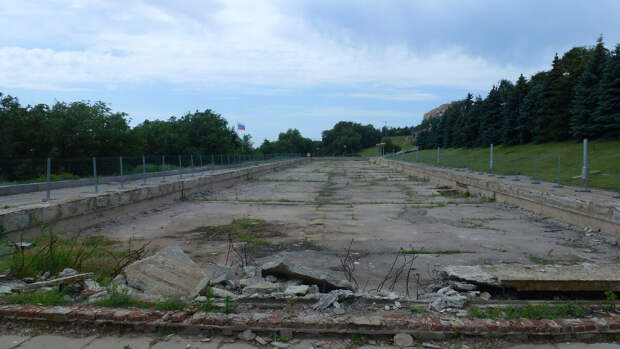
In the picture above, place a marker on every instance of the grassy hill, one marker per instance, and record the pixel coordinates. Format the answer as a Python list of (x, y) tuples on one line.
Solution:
[(604, 161), (403, 141)]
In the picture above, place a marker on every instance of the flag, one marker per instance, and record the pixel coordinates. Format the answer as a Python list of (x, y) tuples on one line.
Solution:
[(240, 127)]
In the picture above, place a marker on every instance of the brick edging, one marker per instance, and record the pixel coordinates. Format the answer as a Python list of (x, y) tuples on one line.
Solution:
[(426, 325)]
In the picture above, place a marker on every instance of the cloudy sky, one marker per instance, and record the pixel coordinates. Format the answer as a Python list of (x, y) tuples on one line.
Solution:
[(275, 65)]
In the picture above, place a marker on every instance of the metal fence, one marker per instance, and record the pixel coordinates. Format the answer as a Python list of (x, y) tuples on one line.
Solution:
[(27, 175), (583, 170)]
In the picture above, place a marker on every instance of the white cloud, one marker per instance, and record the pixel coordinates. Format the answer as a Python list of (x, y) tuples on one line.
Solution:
[(211, 44)]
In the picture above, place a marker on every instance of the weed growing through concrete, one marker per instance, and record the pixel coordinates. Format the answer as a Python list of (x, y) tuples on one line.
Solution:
[(611, 298), (208, 306), (531, 312), (171, 304), (229, 306), (539, 260), (52, 253), (120, 298)]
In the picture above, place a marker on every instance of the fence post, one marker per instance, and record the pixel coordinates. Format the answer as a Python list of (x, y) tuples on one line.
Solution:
[(535, 181), (501, 167), (48, 184), (212, 159), (417, 155), (516, 179), (200, 155), (439, 156), (191, 160), (120, 160), (180, 168), (163, 167), (95, 174), (491, 160), (559, 185), (584, 169), (143, 170)]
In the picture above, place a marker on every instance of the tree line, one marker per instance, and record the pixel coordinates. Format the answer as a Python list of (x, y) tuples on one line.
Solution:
[(578, 98), (85, 129)]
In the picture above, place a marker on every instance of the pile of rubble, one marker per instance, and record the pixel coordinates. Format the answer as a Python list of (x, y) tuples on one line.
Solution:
[(170, 273), (450, 295)]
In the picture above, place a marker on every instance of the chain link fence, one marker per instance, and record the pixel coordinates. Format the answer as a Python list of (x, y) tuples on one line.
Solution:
[(28, 175), (582, 170)]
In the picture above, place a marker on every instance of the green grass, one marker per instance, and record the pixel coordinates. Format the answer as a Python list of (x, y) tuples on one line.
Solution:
[(52, 253), (603, 156), (403, 141), (120, 299), (531, 312), (244, 229), (171, 304), (49, 298)]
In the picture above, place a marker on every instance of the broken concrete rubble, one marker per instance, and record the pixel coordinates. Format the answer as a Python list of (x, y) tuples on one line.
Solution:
[(262, 287), (169, 272), (325, 281), (300, 290), (63, 280)]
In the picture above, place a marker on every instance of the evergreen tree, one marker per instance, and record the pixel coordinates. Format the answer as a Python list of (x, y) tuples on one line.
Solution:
[(552, 123), (530, 108), (510, 112), (459, 136), (490, 118), (607, 114), (586, 99), (472, 128)]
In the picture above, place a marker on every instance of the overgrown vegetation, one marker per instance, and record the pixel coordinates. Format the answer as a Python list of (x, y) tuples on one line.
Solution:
[(52, 253), (531, 312), (119, 298), (171, 304), (42, 297)]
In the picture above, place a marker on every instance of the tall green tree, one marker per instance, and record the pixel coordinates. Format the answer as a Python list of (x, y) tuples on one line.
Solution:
[(607, 113), (510, 112), (531, 107), (585, 103)]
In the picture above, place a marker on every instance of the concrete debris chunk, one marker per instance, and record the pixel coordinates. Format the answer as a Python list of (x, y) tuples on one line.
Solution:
[(463, 286), (247, 335), (325, 301), (92, 286), (64, 280), (219, 293), (288, 270), (485, 295), (219, 273), (168, 273), (67, 272), (444, 302), (403, 340), (300, 290), (262, 287)]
